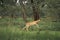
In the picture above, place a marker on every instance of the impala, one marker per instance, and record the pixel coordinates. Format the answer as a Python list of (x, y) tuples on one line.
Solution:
[(29, 24)]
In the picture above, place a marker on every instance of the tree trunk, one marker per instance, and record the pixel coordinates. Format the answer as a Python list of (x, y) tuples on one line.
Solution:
[(24, 12), (35, 11)]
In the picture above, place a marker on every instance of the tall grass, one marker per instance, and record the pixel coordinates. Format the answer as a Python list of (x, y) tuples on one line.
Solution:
[(10, 31)]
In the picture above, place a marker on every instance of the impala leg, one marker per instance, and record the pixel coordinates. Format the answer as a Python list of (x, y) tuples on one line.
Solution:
[(37, 26), (26, 27)]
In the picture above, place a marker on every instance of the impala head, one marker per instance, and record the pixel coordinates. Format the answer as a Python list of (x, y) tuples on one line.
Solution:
[(37, 21)]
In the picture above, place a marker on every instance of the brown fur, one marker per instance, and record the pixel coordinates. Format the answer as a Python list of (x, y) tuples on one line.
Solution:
[(29, 24)]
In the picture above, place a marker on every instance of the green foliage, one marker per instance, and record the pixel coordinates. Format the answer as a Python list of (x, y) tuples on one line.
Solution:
[(51, 8), (14, 33), (44, 24), (12, 30)]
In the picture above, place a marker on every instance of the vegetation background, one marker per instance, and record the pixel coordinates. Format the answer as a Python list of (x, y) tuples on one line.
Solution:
[(12, 22)]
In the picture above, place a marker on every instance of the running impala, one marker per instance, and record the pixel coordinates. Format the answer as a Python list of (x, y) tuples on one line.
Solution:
[(29, 24)]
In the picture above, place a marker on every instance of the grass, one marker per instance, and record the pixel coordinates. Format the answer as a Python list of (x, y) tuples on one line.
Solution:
[(10, 31)]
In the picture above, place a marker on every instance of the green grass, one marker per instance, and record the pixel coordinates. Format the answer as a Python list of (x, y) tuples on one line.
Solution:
[(10, 31)]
